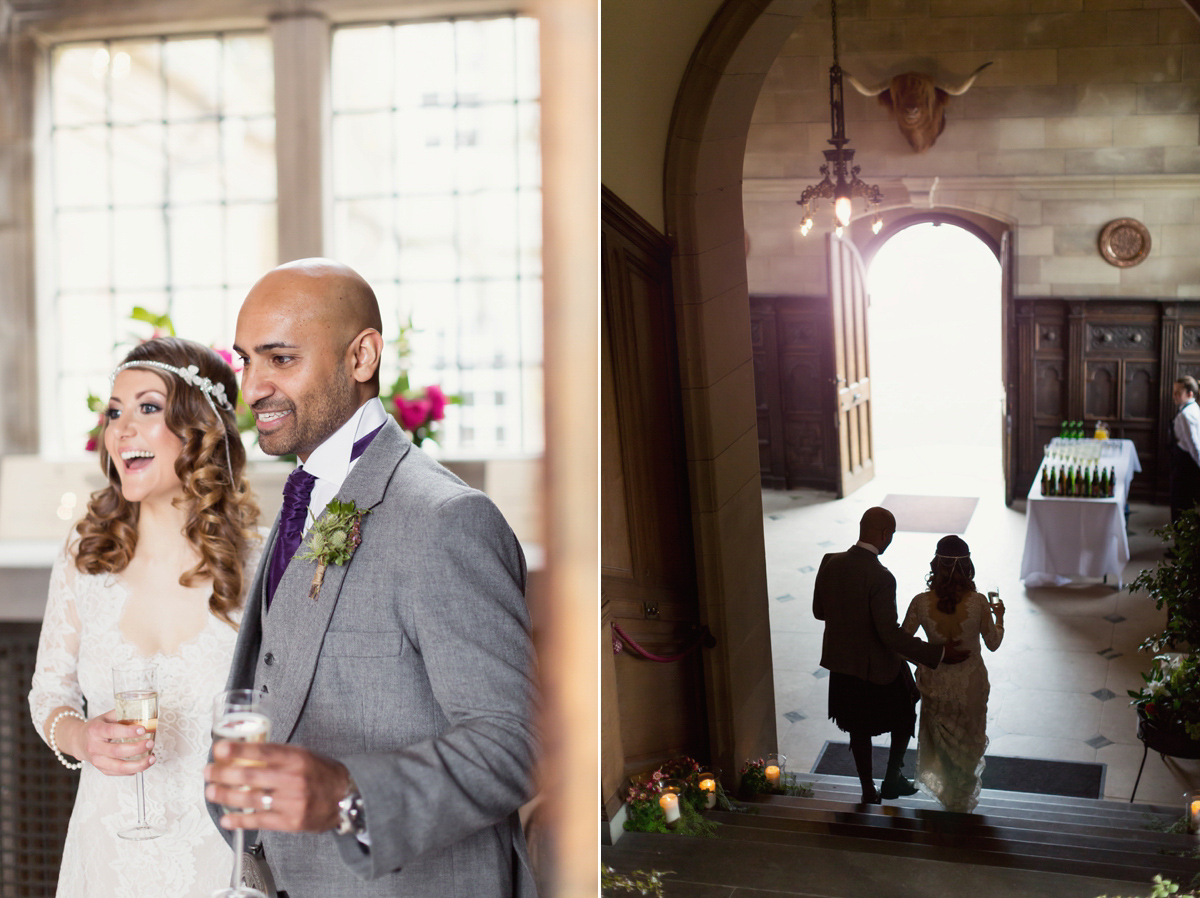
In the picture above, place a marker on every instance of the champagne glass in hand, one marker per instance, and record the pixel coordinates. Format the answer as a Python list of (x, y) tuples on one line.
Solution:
[(240, 715), (136, 693)]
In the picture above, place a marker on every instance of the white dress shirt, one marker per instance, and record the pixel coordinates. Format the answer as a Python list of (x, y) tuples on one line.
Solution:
[(1186, 427), (330, 462)]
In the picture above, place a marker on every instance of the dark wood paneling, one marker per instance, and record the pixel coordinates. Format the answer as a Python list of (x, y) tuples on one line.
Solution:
[(1111, 360), (651, 711), (792, 381)]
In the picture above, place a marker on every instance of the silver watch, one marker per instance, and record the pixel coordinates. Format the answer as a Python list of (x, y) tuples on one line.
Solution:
[(352, 817)]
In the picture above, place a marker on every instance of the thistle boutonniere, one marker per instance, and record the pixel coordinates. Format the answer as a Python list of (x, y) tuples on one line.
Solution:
[(333, 539)]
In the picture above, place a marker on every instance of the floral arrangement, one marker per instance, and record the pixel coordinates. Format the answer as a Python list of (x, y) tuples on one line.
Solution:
[(754, 782), (639, 882), (418, 410), (645, 814), (1165, 887), (1171, 697)]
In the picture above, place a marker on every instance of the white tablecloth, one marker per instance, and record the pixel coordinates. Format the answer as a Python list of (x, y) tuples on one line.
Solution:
[(1066, 537)]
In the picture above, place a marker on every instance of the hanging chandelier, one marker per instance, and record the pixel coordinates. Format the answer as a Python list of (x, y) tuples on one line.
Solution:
[(841, 183)]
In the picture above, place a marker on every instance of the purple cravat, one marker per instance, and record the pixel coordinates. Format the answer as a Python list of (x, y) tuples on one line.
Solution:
[(296, 493)]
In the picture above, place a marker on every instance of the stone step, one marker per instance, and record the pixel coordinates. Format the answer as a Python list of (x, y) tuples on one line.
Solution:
[(930, 815), (1008, 848)]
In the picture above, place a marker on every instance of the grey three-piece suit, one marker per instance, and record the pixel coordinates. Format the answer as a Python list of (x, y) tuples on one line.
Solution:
[(414, 668)]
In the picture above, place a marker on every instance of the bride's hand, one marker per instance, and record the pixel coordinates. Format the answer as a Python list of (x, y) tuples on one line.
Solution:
[(998, 610), (96, 739)]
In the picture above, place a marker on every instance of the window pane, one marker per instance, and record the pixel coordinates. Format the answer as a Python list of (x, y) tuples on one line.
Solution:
[(455, 216), (83, 251), (362, 69), (137, 87), (195, 257), (365, 238), (363, 150), (193, 162), (138, 164), (139, 249), (249, 158), (192, 66), (81, 166), (424, 65), (164, 191), (78, 78), (248, 76)]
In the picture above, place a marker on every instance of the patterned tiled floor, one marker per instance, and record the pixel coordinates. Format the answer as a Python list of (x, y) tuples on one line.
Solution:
[(1060, 679)]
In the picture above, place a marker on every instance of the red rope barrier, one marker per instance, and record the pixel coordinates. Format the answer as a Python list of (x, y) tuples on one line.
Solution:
[(703, 637)]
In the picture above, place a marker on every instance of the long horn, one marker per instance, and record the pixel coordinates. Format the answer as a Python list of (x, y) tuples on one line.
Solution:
[(866, 92), (966, 85)]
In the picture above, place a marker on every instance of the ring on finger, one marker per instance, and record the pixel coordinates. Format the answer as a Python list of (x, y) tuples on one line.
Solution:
[(268, 801)]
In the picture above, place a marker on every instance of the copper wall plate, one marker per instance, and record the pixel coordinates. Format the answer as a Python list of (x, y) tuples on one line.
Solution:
[(1124, 242)]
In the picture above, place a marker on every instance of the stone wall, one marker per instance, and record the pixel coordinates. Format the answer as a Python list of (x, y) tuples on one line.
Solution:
[(1089, 112)]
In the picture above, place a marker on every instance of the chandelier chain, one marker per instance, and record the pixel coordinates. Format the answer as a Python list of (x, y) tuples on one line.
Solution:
[(833, 11)]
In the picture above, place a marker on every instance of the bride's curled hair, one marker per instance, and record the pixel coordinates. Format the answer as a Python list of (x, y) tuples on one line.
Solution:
[(221, 515), (951, 573)]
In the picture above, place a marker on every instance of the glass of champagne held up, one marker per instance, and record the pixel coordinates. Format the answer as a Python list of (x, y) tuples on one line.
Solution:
[(240, 715), (135, 690)]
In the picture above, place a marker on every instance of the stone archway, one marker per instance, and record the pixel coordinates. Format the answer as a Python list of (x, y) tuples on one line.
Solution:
[(703, 205)]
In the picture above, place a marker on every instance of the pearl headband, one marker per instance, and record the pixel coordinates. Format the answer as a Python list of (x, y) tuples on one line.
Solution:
[(213, 392)]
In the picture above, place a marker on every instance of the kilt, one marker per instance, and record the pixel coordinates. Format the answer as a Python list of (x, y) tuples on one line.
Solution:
[(860, 706)]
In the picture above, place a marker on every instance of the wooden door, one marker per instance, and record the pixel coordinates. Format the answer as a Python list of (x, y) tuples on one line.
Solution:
[(851, 370), (1007, 379)]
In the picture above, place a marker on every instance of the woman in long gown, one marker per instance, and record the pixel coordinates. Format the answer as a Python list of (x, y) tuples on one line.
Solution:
[(155, 572), (952, 736)]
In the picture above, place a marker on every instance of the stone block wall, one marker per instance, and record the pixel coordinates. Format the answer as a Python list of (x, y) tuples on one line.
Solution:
[(1090, 111)]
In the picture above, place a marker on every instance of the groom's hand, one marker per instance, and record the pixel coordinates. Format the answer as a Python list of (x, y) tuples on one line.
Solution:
[(301, 789), (954, 655)]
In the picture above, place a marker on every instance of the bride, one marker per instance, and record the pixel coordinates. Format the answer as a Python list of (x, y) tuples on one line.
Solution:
[(155, 572), (952, 736)]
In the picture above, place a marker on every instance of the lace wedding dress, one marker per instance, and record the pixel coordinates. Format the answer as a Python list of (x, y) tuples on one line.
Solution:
[(952, 736), (81, 641)]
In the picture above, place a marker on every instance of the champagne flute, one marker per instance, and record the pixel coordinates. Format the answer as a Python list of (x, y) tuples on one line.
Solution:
[(240, 715), (135, 692)]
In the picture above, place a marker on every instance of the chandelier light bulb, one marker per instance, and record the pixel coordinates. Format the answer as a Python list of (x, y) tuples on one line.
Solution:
[(842, 210), (838, 230), (877, 225)]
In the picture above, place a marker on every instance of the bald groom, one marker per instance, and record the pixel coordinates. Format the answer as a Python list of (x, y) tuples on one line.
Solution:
[(401, 690)]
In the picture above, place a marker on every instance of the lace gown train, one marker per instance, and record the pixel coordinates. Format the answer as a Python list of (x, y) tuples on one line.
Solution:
[(80, 642), (952, 735)]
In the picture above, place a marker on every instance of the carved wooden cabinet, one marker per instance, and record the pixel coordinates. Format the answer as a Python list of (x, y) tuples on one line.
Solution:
[(792, 372), (1111, 360)]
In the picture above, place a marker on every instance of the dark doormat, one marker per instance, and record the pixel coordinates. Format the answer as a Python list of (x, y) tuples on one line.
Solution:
[(931, 514), (1069, 778)]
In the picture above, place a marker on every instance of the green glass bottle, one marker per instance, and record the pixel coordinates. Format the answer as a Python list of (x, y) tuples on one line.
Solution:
[(1087, 482)]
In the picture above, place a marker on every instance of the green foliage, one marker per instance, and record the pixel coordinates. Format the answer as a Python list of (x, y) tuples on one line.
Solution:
[(639, 882), (1175, 583), (1163, 888), (162, 324), (755, 782), (645, 814)]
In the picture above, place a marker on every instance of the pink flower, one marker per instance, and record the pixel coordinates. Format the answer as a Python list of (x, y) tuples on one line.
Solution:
[(228, 357), (413, 412), (91, 445), (437, 402)]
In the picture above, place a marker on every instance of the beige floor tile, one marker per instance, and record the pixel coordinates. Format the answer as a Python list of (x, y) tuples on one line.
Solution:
[(1118, 721), (1053, 671), (1162, 782), (1056, 715)]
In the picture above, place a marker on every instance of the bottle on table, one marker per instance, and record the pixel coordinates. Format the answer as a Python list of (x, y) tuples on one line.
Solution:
[(1087, 482), (1112, 481), (1045, 480)]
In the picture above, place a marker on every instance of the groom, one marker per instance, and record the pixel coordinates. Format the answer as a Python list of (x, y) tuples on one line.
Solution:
[(871, 689), (400, 684)]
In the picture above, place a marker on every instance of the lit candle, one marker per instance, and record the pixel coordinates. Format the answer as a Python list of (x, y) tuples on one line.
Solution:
[(1194, 814), (709, 786), (669, 802), (772, 774)]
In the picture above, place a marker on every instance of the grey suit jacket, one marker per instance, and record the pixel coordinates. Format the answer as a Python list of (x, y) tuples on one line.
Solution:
[(856, 597), (414, 668)]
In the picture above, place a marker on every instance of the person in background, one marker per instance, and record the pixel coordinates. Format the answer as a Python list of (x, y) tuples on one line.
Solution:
[(1185, 448)]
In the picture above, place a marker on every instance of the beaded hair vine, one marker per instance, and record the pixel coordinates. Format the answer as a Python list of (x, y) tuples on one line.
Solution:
[(213, 392)]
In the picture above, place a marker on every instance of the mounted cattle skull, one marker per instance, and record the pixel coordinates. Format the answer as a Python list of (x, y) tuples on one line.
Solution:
[(917, 103)]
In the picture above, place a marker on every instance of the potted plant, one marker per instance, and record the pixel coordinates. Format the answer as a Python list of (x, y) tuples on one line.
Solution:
[(1168, 705)]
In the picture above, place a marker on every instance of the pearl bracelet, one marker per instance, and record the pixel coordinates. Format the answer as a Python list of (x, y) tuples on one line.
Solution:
[(54, 744)]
